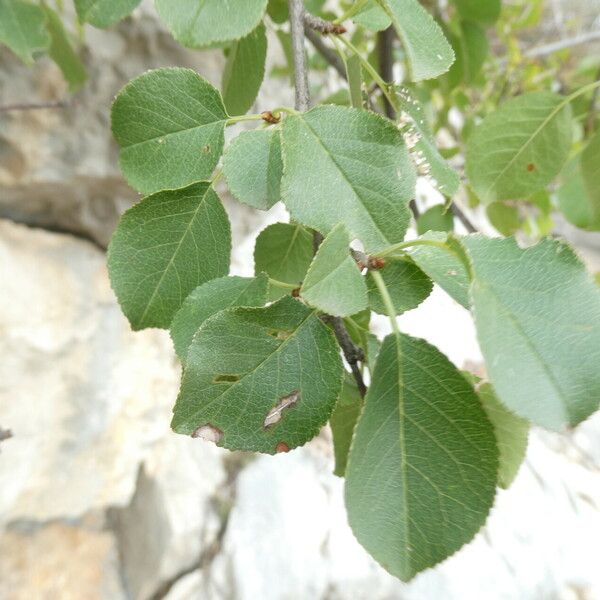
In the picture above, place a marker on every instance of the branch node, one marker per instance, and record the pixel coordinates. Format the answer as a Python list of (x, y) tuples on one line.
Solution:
[(323, 26), (270, 117)]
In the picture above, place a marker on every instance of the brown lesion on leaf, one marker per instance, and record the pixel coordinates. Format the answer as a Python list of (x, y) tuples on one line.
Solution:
[(531, 167), (209, 433), (282, 447), (206, 149), (226, 378), (284, 403)]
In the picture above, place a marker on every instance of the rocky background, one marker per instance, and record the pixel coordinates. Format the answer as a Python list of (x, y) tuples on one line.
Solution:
[(99, 500)]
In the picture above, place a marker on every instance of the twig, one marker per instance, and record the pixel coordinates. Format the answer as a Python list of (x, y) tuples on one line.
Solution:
[(414, 209), (35, 106), (584, 38), (322, 25), (352, 353), (300, 71), (385, 51), (565, 44), (462, 217), (325, 51)]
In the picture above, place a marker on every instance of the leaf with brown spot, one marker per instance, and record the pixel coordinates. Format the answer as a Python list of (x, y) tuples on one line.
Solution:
[(288, 384)]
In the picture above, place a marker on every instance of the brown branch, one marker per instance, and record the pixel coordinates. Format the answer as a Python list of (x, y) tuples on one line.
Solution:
[(300, 71), (325, 27), (325, 51), (385, 52), (35, 106), (352, 353), (462, 217)]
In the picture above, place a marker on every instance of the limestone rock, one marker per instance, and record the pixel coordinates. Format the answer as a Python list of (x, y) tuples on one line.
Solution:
[(174, 516), (84, 396), (59, 561)]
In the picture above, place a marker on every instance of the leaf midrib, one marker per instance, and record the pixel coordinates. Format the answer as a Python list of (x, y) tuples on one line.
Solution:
[(175, 252), (402, 444), (171, 133), (345, 177)]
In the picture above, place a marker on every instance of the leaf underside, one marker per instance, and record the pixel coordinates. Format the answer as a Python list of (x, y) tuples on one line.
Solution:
[(537, 314), (360, 174), (334, 283)]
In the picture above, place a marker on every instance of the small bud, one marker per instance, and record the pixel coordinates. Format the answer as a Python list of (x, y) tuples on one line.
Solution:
[(376, 263), (269, 117)]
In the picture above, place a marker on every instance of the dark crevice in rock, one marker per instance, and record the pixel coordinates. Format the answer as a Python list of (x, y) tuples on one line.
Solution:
[(223, 502), (80, 235)]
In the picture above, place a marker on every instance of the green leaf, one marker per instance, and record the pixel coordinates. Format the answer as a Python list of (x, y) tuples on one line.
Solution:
[(360, 174), (422, 144), (22, 28), (422, 471), (511, 435), (164, 247), (210, 298), (519, 148), (372, 17), (104, 13), (62, 52), (444, 268), (590, 173), (485, 12), (170, 126), (253, 167), (504, 218), (260, 379), (572, 197), (537, 314), (334, 283), (436, 218), (244, 71), (197, 24), (407, 285), (284, 251), (472, 48), (278, 11), (354, 74), (428, 52), (342, 421)]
